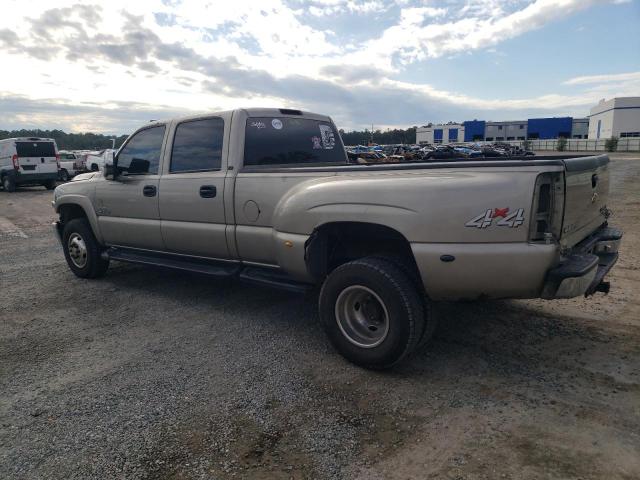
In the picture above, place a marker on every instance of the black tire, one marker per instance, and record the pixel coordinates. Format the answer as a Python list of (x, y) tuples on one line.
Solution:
[(94, 266), (94, 167), (49, 184), (411, 271), (8, 183), (392, 295), (63, 175)]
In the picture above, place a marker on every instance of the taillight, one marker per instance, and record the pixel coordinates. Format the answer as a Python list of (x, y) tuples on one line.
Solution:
[(58, 160), (547, 208), (16, 163)]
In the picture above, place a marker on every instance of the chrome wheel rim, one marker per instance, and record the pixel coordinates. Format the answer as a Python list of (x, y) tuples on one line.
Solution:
[(362, 316), (77, 250)]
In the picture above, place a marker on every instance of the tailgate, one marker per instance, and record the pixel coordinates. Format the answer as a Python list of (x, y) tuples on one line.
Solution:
[(586, 194)]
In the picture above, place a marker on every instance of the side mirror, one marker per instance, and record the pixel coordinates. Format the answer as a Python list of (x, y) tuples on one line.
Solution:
[(111, 168)]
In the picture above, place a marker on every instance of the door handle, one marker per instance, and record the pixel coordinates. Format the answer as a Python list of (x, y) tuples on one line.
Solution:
[(208, 191), (149, 191)]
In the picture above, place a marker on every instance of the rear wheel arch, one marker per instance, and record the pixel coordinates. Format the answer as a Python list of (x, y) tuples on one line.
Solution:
[(336, 243)]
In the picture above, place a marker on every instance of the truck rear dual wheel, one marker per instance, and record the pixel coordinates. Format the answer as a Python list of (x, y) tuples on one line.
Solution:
[(373, 313), (82, 251)]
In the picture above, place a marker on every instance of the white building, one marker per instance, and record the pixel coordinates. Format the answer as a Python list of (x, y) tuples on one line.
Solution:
[(618, 117), (503, 131), (579, 128), (444, 133)]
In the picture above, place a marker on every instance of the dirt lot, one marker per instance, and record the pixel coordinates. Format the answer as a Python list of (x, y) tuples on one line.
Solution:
[(149, 373)]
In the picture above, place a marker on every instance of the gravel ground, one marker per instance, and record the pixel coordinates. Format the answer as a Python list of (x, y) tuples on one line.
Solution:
[(154, 374)]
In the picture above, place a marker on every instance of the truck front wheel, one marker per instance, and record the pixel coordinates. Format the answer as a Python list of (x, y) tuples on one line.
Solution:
[(82, 251), (372, 312)]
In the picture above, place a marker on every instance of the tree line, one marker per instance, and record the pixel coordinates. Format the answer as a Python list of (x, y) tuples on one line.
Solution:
[(97, 141), (68, 141), (396, 135)]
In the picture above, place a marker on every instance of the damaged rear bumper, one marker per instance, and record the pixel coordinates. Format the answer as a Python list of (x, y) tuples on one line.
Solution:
[(583, 271)]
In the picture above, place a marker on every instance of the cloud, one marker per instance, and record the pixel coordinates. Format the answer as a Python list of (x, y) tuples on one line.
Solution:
[(116, 118), (336, 7), (127, 62), (600, 79), (412, 40)]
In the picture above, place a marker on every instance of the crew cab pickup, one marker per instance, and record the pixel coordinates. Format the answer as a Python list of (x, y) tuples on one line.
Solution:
[(268, 196)]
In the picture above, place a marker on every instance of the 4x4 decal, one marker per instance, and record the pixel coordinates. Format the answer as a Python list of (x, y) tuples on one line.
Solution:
[(508, 219)]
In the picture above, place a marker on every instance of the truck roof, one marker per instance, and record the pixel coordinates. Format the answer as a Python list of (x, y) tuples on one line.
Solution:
[(257, 112)]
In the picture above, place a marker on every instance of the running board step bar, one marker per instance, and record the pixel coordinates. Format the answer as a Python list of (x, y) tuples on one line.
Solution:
[(273, 278), (263, 276), (217, 269)]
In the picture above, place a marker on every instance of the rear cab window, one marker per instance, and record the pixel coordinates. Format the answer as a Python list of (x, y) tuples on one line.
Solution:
[(286, 141), (25, 149), (197, 146)]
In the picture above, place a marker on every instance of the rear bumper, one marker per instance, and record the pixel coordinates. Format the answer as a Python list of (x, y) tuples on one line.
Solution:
[(583, 272), (31, 178)]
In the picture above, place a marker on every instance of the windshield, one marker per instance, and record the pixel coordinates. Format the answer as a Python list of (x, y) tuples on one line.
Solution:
[(289, 141), (35, 149)]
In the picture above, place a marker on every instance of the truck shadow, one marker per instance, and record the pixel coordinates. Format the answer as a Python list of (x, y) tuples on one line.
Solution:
[(500, 336)]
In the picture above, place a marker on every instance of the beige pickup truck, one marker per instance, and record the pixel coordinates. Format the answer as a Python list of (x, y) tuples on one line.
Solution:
[(268, 196)]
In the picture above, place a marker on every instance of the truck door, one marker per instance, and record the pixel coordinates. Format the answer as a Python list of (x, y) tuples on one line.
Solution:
[(127, 207), (192, 209)]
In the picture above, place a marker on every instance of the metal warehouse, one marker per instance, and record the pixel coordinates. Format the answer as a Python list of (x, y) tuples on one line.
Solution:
[(617, 117)]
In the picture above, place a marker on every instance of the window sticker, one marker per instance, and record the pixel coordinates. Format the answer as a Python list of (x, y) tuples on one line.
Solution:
[(328, 140), (316, 143), (276, 123), (258, 124)]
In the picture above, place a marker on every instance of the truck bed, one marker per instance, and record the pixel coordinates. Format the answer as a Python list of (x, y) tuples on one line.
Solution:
[(548, 160)]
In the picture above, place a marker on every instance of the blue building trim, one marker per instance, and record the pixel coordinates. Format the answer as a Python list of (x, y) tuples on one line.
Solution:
[(549, 128), (437, 134), (453, 134), (474, 128)]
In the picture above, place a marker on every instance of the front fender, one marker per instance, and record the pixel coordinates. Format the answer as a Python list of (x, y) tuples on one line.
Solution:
[(83, 202)]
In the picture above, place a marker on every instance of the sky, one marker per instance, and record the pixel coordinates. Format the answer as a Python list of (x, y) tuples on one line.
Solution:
[(110, 66)]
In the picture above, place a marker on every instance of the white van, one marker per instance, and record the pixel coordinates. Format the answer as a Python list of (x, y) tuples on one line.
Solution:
[(28, 161)]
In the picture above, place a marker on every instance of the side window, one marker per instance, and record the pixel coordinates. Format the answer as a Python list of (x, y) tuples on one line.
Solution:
[(141, 155), (197, 146)]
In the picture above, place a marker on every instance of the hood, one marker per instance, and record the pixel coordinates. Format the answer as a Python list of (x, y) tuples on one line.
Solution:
[(85, 176)]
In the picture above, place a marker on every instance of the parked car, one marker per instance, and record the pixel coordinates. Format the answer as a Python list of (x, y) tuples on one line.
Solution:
[(493, 152), (71, 164), (267, 196), (97, 161), (28, 161)]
